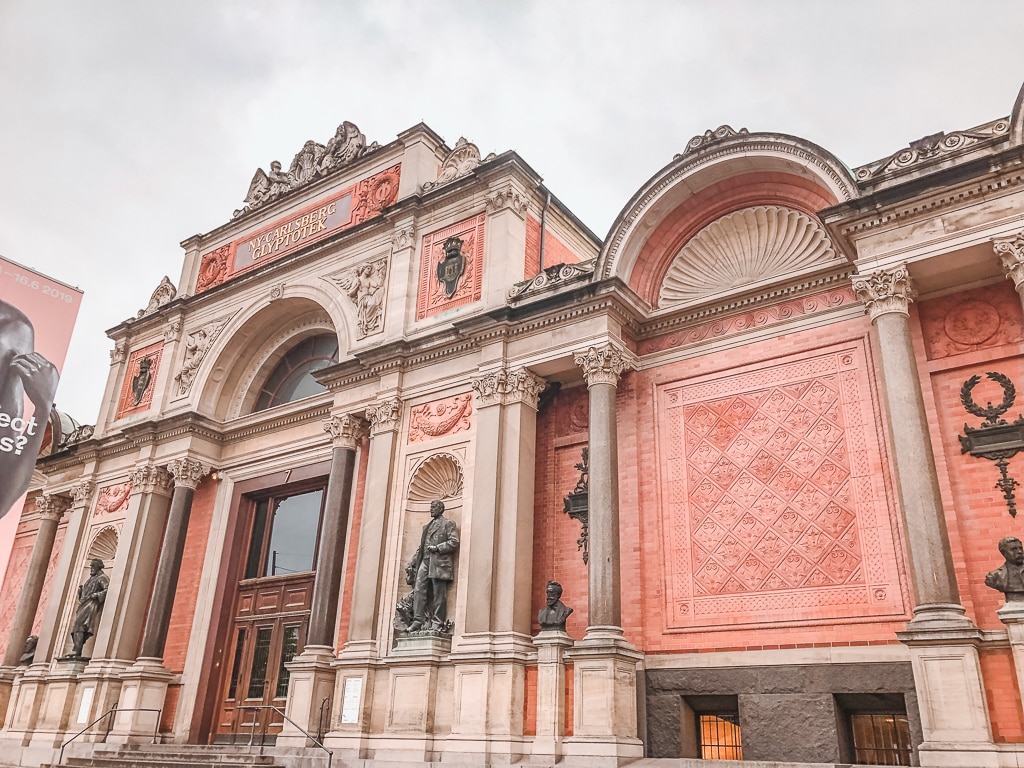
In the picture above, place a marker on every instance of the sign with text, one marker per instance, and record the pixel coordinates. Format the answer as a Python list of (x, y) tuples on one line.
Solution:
[(37, 315)]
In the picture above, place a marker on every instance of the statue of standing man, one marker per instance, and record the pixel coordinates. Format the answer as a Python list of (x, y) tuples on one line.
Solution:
[(432, 570), (91, 595)]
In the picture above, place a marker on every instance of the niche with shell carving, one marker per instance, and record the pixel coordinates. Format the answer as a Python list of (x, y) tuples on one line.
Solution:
[(439, 476)]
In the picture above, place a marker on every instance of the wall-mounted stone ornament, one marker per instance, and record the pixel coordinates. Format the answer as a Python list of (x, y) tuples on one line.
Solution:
[(403, 237), (603, 365), (147, 478), (510, 197), (460, 161), (365, 286), (884, 291), (172, 331), (577, 505), (442, 286), (197, 345), (1010, 251), (709, 137), (555, 276), (82, 490), (113, 498), (446, 416), (509, 385), (996, 439), (213, 269), (164, 294), (142, 379), (346, 430), (384, 416), (119, 352), (312, 162), (187, 472)]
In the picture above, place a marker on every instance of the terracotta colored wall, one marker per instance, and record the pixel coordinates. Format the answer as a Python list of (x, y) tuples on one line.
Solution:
[(187, 592), (345, 611), (555, 251)]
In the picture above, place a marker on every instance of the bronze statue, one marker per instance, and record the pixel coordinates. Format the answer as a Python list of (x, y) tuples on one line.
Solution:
[(431, 571), (1009, 577), (28, 651), (554, 614), (91, 595)]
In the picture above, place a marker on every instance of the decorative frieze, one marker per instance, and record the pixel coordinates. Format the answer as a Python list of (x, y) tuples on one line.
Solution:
[(197, 345), (147, 478), (346, 430), (187, 472), (506, 386), (554, 276), (1011, 254), (603, 365), (510, 197), (365, 284), (385, 416), (52, 505), (446, 416), (885, 291)]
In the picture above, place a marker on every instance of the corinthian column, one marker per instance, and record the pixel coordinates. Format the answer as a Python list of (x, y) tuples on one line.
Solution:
[(50, 509), (384, 419), (346, 431), (1010, 251), (186, 473)]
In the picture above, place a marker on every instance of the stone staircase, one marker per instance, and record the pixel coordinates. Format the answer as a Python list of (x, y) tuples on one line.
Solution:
[(169, 756)]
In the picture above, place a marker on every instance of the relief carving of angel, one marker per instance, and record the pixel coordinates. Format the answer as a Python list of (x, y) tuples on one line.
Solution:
[(365, 286)]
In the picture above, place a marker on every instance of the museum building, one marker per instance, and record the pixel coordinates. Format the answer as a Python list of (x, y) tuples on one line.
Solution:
[(763, 436)]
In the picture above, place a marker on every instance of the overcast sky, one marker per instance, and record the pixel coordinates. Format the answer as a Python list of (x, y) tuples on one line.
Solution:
[(129, 126)]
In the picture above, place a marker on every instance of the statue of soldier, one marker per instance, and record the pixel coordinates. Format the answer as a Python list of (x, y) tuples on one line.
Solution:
[(91, 595), (432, 570)]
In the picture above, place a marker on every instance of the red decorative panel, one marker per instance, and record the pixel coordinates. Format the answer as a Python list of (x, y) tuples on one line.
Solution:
[(431, 298), (441, 417), (775, 509), (351, 206), (980, 318), (113, 498), (129, 403), (763, 316), (17, 569)]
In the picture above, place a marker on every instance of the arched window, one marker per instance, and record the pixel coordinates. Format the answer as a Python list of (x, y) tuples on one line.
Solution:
[(292, 379)]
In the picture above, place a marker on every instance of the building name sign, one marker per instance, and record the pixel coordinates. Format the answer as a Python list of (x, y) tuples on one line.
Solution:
[(307, 226)]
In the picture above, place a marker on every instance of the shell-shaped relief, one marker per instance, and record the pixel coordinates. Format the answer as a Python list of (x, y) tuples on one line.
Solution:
[(742, 248), (439, 477), (103, 547)]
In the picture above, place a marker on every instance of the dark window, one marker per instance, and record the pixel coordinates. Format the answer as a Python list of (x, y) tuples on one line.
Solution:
[(236, 666), (718, 736), (292, 379), (880, 739), (288, 650), (284, 534), (260, 657)]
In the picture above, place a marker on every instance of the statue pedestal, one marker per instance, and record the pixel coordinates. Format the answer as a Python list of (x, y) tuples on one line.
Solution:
[(1012, 615), (943, 647), (604, 698), (310, 690), (356, 669), (7, 676), (143, 692), (551, 648)]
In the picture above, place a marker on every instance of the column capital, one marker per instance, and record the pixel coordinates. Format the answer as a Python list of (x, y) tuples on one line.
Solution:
[(506, 386), (52, 506), (346, 430), (604, 364), (1010, 251), (147, 478), (384, 416), (82, 492), (187, 472), (885, 291)]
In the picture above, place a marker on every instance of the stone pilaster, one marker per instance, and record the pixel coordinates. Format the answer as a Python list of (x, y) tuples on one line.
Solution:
[(312, 676), (551, 648), (1010, 251), (943, 642)]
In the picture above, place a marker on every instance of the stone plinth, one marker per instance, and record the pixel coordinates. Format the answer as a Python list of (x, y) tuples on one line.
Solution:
[(311, 682), (143, 691), (7, 677), (551, 648)]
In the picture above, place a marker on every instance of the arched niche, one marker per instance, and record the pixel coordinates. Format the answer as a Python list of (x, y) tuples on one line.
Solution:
[(718, 174), (102, 547)]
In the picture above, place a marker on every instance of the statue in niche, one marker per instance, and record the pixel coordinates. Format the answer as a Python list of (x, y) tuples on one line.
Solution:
[(430, 573), (553, 615), (28, 652), (141, 380), (1009, 577), (91, 595)]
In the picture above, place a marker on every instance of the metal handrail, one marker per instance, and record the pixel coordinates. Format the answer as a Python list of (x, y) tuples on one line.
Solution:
[(320, 720), (108, 713), (263, 731)]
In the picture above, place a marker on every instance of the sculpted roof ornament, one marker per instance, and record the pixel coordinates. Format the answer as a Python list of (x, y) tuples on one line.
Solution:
[(312, 162), (554, 276), (460, 161), (709, 137), (164, 294), (937, 145)]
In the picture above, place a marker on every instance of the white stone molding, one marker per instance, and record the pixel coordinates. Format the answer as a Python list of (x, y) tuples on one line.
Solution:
[(743, 248), (120, 352), (440, 476), (460, 161), (172, 331), (187, 472), (1011, 254), (164, 294), (885, 291), (384, 416), (403, 237), (604, 365), (198, 343), (81, 492), (508, 196), (346, 430), (553, 277), (147, 478), (276, 292), (506, 386), (52, 506), (365, 285)]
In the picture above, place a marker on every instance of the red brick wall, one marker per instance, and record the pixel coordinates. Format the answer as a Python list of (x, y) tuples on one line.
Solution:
[(555, 251), (1002, 695), (183, 612), (345, 611)]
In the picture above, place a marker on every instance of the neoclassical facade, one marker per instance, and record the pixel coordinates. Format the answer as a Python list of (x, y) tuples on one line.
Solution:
[(750, 433)]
